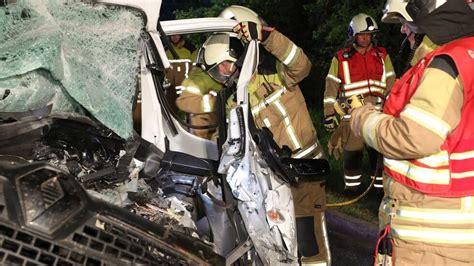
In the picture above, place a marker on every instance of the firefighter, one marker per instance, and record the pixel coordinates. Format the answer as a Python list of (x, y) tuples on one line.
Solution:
[(184, 49), (362, 69), (426, 136), (277, 103), (199, 91)]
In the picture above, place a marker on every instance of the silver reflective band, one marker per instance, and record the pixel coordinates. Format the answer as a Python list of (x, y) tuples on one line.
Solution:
[(289, 127), (291, 55), (267, 101), (329, 100), (356, 177), (336, 79), (206, 102), (427, 120), (347, 74), (192, 90), (303, 153), (352, 184), (364, 83)]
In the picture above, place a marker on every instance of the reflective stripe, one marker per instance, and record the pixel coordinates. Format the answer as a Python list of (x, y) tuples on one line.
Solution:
[(304, 152), (384, 74), (363, 91), (329, 100), (417, 173), (434, 235), (213, 93), (436, 160), (192, 90), (467, 203), (187, 71), (462, 155), (352, 184), (289, 127), (462, 175), (314, 263), (427, 120), (347, 74), (291, 55), (267, 123), (180, 61), (318, 156), (364, 83), (378, 185), (267, 101), (389, 74), (206, 103), (355, 177), (336, 79), (179, 88), (346, 117), (369, 129), (435, 215)]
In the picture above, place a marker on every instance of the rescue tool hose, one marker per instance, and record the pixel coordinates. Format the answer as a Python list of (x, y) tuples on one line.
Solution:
[(354, 200)]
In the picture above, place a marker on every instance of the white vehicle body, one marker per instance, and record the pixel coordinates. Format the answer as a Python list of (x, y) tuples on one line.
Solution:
[(258, 190)]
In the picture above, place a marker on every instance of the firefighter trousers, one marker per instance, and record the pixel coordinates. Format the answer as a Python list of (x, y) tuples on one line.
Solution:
[(310, 203)]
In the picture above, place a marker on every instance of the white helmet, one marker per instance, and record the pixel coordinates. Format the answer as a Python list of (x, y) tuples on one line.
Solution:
[(241, 13), (219, 47), (362, 23), (409, 10), (394, 10)]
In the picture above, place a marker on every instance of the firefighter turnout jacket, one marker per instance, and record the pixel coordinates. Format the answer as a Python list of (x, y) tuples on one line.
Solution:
[(425, 134), (370, 75)]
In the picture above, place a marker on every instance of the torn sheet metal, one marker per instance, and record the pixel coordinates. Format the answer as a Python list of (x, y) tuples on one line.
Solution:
[(260, 192)]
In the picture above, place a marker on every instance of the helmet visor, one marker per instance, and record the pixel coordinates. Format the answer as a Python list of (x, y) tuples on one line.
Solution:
[(223, 71)]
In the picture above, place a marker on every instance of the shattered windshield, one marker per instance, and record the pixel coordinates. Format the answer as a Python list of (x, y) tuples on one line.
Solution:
[(74, 56)]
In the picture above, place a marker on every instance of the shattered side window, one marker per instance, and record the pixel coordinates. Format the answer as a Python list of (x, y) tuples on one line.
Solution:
[(74, 56)]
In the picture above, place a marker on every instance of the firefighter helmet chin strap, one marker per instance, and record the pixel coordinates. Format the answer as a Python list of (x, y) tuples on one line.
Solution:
[(232, 79)]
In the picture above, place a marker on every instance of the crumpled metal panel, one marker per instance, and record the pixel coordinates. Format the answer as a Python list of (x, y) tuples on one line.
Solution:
[(259, 190)]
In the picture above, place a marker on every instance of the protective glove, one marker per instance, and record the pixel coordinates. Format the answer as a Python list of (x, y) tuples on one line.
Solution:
[(330, 123), (336, 142), (248, 31)]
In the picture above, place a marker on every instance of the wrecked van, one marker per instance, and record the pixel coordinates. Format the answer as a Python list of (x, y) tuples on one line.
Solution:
[(79, 186)]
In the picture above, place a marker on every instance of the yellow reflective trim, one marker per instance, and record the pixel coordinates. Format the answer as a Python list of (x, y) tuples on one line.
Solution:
[(438, 216), (289, 126), (417, 173), (462, 175), (336, 79), (192, 90), (267, 101), (364, 83), (347, 73), (206, 103), (363, 91), (306, 151), (329, 100), (389, 74), (267, 123), (369, 129), (291, 55), (434, 235), (462, 155), (427, 120), (436, 160)]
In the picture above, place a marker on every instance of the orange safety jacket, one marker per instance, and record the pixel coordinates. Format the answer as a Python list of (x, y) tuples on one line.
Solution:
[(362, 74), (449, 173)]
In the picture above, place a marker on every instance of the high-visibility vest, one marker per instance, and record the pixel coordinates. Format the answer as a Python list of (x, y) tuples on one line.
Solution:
[(449, 173), (362, 74)]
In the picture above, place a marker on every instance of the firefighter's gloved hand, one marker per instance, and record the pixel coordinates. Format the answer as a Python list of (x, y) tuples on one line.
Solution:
[(248, 31), (330, 123), (336, 142)]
